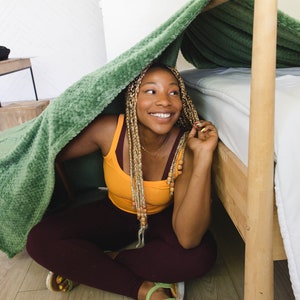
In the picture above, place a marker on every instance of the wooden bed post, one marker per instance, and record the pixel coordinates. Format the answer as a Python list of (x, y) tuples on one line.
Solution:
[(259, 272)]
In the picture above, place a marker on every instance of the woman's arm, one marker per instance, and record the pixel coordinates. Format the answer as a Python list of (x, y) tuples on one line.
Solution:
[(192, 196), (97, 136)]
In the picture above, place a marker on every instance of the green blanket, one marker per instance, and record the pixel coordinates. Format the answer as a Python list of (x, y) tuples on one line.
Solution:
[(223, 37), (27, 152)]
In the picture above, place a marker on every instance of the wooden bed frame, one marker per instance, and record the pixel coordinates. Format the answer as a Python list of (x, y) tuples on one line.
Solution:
[(248, 193), (230, 181)]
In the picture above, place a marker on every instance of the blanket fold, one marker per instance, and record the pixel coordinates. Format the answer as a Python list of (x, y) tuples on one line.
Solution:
[(222, 37)]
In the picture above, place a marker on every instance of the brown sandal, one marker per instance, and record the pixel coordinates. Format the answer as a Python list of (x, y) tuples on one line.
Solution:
[(57, 283)]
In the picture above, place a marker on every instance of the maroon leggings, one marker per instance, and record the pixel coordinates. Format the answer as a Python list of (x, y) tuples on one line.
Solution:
[(72, 244)]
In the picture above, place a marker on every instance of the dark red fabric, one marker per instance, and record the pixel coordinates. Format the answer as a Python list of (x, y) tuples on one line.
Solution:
[(72, 244)]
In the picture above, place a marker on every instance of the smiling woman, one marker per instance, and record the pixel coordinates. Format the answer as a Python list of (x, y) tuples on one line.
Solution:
[(158, 109), (158, 103), (157, 165)]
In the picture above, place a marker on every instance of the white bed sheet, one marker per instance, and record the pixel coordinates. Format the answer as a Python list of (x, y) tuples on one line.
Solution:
[(223, 97)]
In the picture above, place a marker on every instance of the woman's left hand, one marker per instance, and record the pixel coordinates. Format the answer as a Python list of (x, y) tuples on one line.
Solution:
[(203, 136), (192, 195)]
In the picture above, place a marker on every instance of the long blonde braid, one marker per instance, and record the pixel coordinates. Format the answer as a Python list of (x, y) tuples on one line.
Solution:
[(186, 120)]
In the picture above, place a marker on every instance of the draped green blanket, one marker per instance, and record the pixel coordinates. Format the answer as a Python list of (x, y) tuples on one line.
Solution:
[(27, 152)]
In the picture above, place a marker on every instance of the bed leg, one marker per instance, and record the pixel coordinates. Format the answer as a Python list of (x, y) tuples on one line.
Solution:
[(259, 270)]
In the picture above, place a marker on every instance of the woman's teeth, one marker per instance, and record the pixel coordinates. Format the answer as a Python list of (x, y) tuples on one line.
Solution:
[(161, 115)]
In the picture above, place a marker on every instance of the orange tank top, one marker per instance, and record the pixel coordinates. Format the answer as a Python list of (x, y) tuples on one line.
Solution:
[(157, 193)]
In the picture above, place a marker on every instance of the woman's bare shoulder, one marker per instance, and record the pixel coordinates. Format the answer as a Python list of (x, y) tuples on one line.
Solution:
[(106, 121), (97, 135), (103, 129)]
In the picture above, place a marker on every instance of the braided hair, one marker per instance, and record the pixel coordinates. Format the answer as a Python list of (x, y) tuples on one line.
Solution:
[(187, 118)]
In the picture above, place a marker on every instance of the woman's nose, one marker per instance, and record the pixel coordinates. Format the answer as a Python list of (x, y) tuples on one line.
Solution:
[(163, 99)]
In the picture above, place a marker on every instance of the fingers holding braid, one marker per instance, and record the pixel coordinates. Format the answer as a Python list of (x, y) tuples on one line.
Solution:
[(203, 135), (205, 129)]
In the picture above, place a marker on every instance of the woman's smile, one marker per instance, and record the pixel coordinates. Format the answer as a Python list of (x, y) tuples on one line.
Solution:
[(161, 115)]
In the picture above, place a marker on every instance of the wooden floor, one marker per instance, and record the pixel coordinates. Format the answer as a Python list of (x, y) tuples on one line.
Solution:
[(23, 279)]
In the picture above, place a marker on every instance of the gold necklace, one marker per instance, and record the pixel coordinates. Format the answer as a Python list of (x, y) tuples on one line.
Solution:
[(159, 148)]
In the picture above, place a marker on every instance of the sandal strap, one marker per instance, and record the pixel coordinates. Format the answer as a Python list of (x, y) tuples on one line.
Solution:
[(70, 286), (158, 285), (53, 286)]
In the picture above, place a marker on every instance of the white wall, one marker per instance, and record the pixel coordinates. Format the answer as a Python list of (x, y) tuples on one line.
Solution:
[(126, 22), (64, 39), (291, 7)]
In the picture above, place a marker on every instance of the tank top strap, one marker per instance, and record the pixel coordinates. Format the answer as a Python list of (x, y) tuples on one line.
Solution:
[(172, 153), (119, 149), (117, 133)]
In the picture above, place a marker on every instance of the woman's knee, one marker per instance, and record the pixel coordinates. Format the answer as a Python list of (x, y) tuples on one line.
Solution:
[(38, 240), (207, 253), (201, 259)]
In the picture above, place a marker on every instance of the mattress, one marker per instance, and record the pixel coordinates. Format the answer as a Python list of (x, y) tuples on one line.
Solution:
[(219, 94), (223, 97)]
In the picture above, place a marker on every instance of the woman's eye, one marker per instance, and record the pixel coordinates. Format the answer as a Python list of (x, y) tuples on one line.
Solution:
[(150, 92), (174, 93)]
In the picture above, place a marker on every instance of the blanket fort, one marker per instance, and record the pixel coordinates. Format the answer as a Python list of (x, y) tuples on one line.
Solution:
[(27, 152)]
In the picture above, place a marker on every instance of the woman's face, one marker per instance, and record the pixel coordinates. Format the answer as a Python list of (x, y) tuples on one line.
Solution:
[(158, 101)]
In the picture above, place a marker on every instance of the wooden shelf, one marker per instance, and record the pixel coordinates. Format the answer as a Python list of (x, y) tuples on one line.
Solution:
[(12, 65)]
